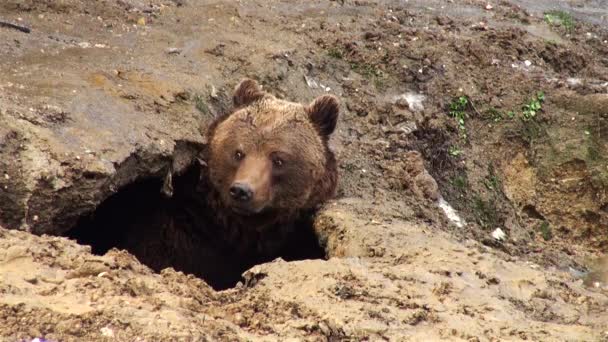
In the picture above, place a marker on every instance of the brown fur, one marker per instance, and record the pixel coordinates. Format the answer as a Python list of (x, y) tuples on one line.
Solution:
[(283, 155)]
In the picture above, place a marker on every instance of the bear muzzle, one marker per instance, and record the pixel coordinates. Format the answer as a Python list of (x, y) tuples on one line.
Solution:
[(250, 192)]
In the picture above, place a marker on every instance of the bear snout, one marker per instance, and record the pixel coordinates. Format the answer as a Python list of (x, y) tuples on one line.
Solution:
[(241, 193)]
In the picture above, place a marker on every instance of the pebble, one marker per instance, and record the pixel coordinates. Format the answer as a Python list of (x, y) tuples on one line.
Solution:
[(32, 279), (107, 332), (173, 51)]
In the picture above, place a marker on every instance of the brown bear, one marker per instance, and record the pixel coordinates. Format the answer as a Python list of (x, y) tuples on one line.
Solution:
[(268, 165), (268, 162)]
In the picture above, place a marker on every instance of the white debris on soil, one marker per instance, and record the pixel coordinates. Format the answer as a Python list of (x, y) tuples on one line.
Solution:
[(414, 101), (173, 51), (525, 65), (107, 332), (499, 234), (450, 212), (313, 84)]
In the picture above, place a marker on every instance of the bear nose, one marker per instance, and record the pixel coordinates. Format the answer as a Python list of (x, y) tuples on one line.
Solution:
[(241, 192)]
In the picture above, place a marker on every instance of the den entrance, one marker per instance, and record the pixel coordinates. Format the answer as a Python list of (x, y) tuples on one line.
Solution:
[(152, 227)]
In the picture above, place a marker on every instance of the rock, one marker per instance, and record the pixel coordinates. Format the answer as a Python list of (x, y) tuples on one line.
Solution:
[(418, 178), (173, 51)]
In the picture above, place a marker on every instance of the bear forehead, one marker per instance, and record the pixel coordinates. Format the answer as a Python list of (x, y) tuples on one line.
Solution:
[(273, 120)]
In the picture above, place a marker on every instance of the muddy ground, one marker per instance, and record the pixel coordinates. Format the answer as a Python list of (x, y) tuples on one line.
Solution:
[(458, 118)]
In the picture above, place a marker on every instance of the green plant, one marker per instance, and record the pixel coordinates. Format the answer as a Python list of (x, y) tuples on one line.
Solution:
[(201, 104), (454, 151), (460, 182), (495, 115), (531, 131), (593, 146), (491, 181), (545, 231), (530, 109), (458, 108), (366, 70), (335, 53), (560, 18), (510, 114), (486, 212)]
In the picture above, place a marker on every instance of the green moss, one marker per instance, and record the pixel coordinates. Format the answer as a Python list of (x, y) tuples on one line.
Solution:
[(201, 104), (335, 53), (545, 231), (485, 212), (560, 18)]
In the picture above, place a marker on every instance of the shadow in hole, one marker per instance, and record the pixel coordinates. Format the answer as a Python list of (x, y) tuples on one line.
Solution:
[(162, 232)]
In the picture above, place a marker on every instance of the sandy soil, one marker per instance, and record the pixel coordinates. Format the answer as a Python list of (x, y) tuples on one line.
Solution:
[(103, 104)]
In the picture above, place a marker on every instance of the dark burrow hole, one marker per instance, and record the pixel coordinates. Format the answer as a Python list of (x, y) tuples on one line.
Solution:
[(141, 220)]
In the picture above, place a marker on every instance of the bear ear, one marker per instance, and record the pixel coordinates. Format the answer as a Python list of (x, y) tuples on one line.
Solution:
[(323, 113), (246, 92)]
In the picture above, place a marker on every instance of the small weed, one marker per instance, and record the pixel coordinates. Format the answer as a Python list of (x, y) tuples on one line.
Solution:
[(335, 53), (495, 115), (531, 131), (511, 114), (530, 109), (459, 182), (379, 83), (201, 104), (545, 231), (454, 151), (458, 109), (486, 212), (366, 70), (593, 153), (593, 147), (491, 181), (370, 72), (560, 18)]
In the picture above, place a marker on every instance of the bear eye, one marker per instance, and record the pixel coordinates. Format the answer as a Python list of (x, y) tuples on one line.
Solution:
[(238, 155), (277, 162)]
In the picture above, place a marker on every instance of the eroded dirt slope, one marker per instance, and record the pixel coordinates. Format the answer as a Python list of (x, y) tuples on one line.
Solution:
[(100, 95)]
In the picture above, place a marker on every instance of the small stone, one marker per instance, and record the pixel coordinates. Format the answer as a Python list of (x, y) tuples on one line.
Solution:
[(141, 21), (324, 329), (240, 320), (107, 332), (173, 51), (32, 279)]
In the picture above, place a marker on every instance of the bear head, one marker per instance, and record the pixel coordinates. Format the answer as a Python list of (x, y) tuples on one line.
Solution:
[(270, 157)]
